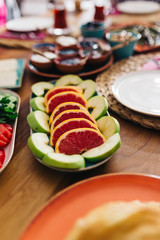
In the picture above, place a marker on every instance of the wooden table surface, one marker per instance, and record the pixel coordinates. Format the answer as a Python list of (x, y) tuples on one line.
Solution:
[(26, 185)]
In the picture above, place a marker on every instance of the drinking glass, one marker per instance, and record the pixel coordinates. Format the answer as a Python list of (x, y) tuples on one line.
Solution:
[(60, 26)]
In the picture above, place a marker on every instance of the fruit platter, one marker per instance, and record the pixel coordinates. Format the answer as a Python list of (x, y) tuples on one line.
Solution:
[(71, 129), (9, 108)]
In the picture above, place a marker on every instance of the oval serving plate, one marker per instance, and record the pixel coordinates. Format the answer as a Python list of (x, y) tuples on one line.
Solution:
[(83, 73), (9, 149), (86, 195), (88, 166)]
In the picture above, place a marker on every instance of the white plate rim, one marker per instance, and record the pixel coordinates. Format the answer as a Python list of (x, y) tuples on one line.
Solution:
[(122, 7), (11, 25), (10, 147), (123, 78)]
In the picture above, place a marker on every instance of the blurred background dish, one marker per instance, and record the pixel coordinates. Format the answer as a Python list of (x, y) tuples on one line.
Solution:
[(116, 37), (93, 29), (41, 62), (71, 64), (138, 7), (85, 72), (71, 51), (66, 41), (27, 24)]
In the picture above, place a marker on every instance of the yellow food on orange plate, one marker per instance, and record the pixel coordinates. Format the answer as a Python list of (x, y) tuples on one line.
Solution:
[(133, 220), (63, 107), (62, 97), (56, 90)]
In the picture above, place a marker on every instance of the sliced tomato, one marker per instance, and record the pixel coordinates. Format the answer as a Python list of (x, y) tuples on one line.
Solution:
[(2, 143), (2, 157), (3, 138), (8, 126), (4, 131)]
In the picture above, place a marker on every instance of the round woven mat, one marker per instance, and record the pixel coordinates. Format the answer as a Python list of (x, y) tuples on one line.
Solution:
[(104, 87)]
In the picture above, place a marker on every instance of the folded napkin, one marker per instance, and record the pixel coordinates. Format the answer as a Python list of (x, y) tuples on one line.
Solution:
[(152, 64), (23, 36)]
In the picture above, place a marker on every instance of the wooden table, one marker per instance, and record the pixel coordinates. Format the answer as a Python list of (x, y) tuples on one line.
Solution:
[(26, 185)]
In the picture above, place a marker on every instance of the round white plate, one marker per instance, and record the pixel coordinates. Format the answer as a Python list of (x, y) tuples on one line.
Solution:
[(139, 91), (138, 7), (28, 24)]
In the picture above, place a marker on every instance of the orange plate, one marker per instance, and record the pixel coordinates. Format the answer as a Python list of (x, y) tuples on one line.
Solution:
[(83, 73), (58, 217)]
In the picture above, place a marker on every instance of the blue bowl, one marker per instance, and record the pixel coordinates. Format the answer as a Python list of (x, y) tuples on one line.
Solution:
[(125, 51), (93, 29)]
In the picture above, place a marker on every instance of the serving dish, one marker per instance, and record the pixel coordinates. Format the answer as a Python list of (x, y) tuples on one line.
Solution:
[(72, 64), (139, 91), (86, 195), (13, 77), (138, 7), (93, 29), (116, 37), (28, 24), (35, 123), (87, 70), (150, 35), (9, 149)]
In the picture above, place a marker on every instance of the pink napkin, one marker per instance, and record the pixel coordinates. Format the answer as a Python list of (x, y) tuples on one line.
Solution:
[(152, 64), (22, 36)]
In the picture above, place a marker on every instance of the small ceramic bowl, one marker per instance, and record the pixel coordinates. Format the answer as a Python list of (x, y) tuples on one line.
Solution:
[(40, 62), (70, 65), (45, 47), (66, 41), (119, 36), (93, 29), (97, 57), (88, 43), (67, 52)]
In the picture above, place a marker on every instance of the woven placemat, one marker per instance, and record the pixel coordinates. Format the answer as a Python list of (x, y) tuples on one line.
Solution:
[(104, 87)]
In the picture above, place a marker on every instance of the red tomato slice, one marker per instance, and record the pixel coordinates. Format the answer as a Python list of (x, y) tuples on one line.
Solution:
[(4, 131), (2, 143), (3, 138), (2, 157), (8, 126)]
